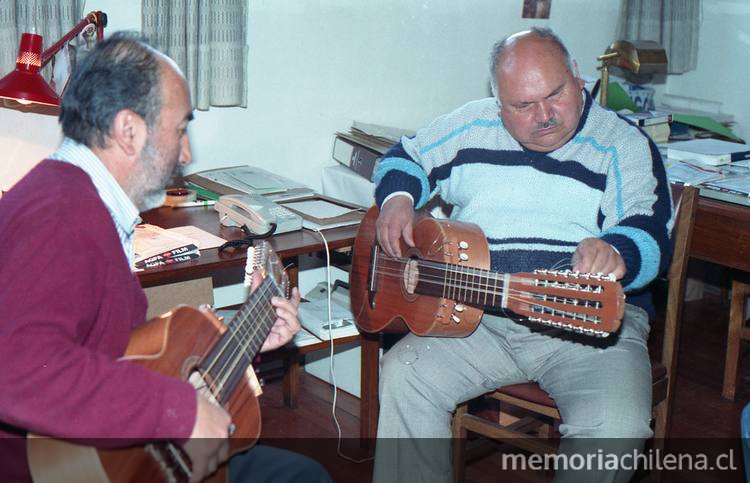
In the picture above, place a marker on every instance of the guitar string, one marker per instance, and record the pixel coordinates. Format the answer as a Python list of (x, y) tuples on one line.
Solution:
[(245, 337), (576, 302), (578, 284), (217, 384), (239, 338), (258, 301), (494, 290)]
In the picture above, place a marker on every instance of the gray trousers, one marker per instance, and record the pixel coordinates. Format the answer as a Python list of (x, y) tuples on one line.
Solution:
[(601, 387)]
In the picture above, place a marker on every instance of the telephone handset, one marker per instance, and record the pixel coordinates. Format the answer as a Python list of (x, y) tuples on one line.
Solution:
[(257, 213)]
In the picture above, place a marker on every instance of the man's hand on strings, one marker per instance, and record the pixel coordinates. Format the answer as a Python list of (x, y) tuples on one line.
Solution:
[(396, 221)]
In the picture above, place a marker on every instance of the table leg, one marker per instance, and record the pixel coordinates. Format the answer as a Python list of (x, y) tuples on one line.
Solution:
[(292, 370), (370, 374), (740, 293)]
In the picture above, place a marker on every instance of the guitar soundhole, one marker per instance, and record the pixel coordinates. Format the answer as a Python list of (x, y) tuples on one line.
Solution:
[(410, 276)]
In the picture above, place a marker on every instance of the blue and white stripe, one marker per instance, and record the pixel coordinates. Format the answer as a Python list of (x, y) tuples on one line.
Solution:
[(607, 182)]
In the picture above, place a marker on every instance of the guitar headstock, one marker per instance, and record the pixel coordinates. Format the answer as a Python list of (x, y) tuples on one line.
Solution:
[(262, 260), (592, 304)]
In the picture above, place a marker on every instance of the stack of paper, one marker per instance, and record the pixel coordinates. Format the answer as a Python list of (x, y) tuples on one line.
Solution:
[(321, 212), (654, 123), (714, 152), (156, 246), (245, 179)]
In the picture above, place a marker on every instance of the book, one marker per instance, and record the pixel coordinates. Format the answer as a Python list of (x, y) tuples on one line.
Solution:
[(648, 118), (659, 133), (734, 187), (709, 151)]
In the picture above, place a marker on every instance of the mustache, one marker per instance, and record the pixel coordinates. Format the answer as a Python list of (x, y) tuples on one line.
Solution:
[(176, 176), (551, 122)]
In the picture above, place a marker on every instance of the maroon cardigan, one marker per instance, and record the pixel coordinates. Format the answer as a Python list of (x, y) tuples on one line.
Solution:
[(68, 301)]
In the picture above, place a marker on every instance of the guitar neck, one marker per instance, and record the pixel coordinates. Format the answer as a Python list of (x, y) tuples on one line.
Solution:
[(582, 302), (226, 363), (466, 285)]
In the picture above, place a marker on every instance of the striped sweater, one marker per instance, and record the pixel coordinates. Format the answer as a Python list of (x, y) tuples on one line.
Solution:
[(608, 182)]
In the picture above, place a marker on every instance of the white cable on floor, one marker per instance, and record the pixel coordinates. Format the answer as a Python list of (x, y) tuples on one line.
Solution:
[(331, 364)]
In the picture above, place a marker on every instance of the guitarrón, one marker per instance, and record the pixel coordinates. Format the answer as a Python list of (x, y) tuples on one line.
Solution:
[(442, 286)]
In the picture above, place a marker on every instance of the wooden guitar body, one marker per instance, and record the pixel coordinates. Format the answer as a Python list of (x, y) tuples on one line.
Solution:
[(173, 345), (395, 306), (191, 345), (442, 285)]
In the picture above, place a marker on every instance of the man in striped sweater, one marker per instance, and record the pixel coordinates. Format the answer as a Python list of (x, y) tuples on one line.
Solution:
[(554, 181)]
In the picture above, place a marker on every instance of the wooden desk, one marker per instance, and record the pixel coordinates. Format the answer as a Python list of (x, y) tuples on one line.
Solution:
[(288, 246), (228, 268), (722, 234)]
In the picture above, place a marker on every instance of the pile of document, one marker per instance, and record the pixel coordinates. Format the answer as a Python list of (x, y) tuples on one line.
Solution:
[(721, 169), (212, 183), (657, 124), (155, 246), (362, 147)]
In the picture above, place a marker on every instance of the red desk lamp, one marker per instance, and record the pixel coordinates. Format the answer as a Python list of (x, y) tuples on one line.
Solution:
[(25, 84)]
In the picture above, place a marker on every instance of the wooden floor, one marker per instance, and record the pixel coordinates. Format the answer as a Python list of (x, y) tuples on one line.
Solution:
[(702, 421)]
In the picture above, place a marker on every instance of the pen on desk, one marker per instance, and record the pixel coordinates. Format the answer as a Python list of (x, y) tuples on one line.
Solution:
[(704, 169), (188, 204)]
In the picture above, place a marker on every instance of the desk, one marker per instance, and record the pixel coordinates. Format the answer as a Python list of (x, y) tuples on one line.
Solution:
[(288, 246), (722, 234), (228, 267)]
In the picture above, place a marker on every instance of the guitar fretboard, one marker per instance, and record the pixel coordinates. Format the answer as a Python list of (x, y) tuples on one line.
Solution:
[(227, 362)]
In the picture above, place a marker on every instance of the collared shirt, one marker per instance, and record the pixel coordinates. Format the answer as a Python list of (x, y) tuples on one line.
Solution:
[(121, 208)]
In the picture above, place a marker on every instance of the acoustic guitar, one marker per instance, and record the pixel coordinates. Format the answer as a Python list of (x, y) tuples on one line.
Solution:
[(443, 284), (193, 345)]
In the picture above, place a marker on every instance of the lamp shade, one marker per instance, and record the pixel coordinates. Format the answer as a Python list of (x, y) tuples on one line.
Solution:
[(638, 56), (25, 84)]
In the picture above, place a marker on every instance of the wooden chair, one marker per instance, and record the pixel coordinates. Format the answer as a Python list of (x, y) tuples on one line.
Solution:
[(736, 334), (539, 410)]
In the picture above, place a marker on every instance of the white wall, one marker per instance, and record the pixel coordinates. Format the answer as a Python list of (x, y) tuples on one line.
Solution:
[(723, 71), (317, 65)]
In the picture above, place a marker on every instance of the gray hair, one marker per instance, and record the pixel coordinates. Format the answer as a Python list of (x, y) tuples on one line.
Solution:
[(121, 72), (539, 32)]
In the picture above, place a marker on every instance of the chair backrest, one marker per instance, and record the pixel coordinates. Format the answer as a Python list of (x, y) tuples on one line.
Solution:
[(685, 200)]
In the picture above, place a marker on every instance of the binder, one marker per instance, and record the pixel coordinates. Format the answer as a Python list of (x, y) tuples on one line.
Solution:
[(354, 154)]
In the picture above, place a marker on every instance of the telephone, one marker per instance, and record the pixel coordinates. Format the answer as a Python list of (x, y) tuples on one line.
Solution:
[(257, 213)]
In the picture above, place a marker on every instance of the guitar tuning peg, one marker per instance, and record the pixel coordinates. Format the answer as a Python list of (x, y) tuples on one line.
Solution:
[(463, 256), (463, 245)]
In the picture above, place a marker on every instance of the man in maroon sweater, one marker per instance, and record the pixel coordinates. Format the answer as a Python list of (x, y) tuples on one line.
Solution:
[(68, 299)]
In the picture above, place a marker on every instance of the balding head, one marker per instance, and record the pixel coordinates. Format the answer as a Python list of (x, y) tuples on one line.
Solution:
[(500, 47), (539, 95)]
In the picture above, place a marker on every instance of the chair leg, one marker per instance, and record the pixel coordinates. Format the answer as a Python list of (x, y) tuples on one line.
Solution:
[(459, 445), (660, 435), (740, 292)]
